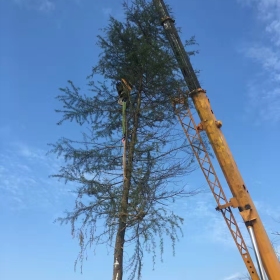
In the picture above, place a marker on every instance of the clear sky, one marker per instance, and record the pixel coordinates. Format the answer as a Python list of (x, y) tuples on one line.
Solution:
[(43, 43)]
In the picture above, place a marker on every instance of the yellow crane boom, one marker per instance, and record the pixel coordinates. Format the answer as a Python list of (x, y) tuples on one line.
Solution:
[(266, 257), (192, 132)]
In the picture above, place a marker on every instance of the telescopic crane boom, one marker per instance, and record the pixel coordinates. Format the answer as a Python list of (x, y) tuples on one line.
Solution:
[(266, 257)]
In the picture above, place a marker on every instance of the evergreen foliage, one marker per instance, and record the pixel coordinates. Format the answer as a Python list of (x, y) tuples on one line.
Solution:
[(116, 205)]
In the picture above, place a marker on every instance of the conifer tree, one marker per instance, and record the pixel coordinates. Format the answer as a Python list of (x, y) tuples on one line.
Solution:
[(129, 166)]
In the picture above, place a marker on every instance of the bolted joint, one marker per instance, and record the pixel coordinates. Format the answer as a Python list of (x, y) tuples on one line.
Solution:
[(199, 127), (195, 91), (248, 215), (232, 203), (218, 124), (249, 223), (163, 20)]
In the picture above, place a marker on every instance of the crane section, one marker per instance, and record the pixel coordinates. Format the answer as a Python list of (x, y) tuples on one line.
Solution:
[(192, 132), (241, 197)]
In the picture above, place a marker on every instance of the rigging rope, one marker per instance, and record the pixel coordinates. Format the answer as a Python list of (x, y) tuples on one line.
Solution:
[(124, 138), (123, 118)]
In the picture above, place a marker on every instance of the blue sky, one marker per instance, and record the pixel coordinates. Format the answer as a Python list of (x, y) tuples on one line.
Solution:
[(43, 43)]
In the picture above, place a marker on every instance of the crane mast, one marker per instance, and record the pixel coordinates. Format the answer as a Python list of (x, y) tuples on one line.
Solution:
[(267, 259)]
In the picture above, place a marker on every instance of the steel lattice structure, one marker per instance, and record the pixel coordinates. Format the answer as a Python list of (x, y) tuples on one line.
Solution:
[(192, 132)]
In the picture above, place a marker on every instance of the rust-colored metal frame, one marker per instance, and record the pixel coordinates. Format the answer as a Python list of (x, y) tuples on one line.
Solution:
[(192, 132)]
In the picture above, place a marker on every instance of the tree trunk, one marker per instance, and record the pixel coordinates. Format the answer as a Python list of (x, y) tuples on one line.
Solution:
[(123, 214), (118, 254)]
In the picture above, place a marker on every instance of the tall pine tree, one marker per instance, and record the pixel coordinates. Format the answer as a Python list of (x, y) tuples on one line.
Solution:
[(126, 182)]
